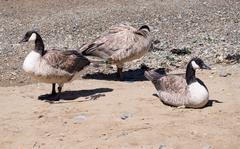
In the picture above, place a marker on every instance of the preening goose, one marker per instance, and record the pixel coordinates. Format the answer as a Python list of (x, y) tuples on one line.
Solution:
[(177, 91), (51, 66), (120, 44)]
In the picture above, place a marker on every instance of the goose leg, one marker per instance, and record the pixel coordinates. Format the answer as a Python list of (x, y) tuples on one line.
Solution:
[(49, 97), (59, 90), (120, 73), (53, 89)]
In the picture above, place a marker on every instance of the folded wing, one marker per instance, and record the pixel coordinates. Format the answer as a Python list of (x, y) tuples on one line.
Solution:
[(70, 61)]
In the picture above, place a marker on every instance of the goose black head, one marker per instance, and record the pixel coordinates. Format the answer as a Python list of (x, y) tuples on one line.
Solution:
[(34, 36), (198, 63), (145, 27), (30, 36)]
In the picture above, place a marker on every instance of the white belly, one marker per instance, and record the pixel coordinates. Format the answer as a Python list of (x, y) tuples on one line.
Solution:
[(30, 62), (40, 71), (199, 94)]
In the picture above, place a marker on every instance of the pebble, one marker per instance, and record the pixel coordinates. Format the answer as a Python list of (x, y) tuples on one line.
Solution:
[(207, 147), (79, 119), (233, 57), (224, 74), (125, 115), (156, 41), (182, 51), (40, 116), (162, 146)]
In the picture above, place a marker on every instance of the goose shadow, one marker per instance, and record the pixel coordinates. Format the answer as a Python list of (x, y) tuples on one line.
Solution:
[(91, 94), (131, 75), (211, 101)]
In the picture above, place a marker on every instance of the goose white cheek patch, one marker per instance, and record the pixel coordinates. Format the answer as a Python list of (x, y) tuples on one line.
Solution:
[(33, 37), (194, 65)]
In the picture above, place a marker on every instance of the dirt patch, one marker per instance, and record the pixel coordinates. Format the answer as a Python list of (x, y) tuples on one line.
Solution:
[(123, 115)]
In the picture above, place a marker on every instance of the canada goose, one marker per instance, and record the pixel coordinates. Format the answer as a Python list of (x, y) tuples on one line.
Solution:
[(51, 66), (176, 91), (120, 44)]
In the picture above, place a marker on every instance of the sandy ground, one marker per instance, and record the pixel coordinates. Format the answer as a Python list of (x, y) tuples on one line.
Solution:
[(124, 115)]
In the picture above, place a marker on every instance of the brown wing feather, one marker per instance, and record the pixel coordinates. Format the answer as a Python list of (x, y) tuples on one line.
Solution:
[(172, 84), (70, 61), (119, 43)]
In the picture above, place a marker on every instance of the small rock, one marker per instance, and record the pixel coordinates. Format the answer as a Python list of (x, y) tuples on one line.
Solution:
[(233, 57), (204, 3), (207, 147), (40, 116), (162, 146), (156, 41), (79, 119), (155, 49), (194, 132), (222, 39), (182, 51), (224, 74), (125, 115)]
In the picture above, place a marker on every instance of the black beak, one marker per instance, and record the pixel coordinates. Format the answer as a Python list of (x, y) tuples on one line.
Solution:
[(204, 66), (23, 40)]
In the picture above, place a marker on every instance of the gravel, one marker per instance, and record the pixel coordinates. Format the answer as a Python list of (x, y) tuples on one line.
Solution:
[(79, 119), (210, 29), (224, 74)]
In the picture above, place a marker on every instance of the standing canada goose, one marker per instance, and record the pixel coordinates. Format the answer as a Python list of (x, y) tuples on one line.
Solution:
[(51, 66), (177, 91), (120, 44)]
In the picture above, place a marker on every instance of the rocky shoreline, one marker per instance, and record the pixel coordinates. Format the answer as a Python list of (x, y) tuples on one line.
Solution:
[(207, 29)]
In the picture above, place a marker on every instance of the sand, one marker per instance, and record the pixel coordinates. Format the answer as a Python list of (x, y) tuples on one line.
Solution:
[(102, 114)]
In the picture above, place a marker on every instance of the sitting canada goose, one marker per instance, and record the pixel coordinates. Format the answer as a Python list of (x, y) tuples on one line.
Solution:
[(51, 66), (177, 91), (120, 44)]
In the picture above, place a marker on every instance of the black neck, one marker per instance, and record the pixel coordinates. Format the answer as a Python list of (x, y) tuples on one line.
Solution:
[(39, 46), (190, 74)]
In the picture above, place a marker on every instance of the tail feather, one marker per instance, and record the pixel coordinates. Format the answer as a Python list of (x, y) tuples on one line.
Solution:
[(88, 49), (97, 63), (152, 75)]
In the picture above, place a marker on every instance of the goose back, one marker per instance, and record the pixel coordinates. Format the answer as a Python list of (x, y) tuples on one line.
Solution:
[(173, 84), (70, 61), (170, 83), (119, 44)]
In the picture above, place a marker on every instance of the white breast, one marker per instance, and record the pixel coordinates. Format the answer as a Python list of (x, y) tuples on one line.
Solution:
[(199, 94), (30, 61)]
